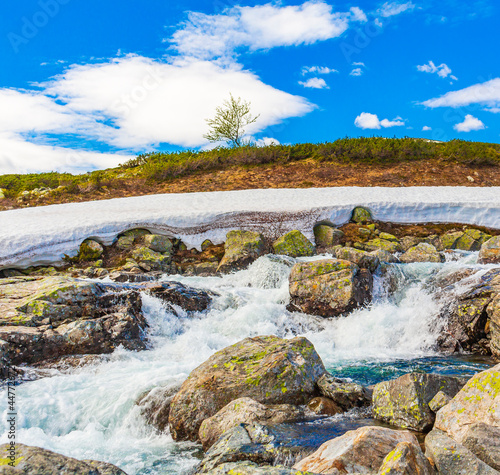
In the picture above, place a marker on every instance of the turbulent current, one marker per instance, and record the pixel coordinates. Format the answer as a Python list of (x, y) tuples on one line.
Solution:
[(90, 412)]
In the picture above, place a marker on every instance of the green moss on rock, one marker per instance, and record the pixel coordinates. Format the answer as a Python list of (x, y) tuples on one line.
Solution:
[(293, 244)]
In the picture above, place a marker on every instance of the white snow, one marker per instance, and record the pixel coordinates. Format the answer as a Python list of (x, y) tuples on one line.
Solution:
[(42, 235)]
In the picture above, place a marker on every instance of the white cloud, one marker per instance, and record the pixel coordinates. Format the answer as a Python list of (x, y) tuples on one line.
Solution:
[(266, 141), (356, 72), (425, 128), (486, 94), (358, 15), (365, 120), (314, 83), (358, 63), (260, 27), (317, 70), (470, 123), (20, 156), (389, 9), (443, 70)]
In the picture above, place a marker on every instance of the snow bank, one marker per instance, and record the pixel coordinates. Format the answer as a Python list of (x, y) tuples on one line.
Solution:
[(42, 235)]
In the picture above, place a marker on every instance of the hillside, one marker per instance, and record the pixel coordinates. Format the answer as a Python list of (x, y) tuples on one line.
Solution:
[(346, 162)]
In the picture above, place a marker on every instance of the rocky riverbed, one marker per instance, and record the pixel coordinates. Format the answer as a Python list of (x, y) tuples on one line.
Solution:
[(268, 354)]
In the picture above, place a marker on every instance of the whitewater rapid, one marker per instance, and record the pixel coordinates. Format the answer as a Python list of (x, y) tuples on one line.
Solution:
[(42, 235), (90, 412)]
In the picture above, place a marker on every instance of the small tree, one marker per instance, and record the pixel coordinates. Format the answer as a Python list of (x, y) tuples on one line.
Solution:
[(230, 121)]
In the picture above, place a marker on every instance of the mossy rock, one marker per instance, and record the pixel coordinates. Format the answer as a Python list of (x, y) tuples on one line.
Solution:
[(90, 250), (448, 240), (293, 244), (150, 260), (327, 235), (158, 243), (377, 243), (422, 252), (361, 215), (206, 244), (490, 251), (471, 240), (127, 239), (240, 249)]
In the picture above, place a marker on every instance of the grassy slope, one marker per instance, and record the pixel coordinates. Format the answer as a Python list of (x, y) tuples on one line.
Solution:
[(346, 162)]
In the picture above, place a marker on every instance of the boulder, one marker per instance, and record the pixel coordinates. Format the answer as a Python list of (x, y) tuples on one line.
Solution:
[(158, 243), (384, 256), (490, 251), (180, 295), (328, 287), (127, 239), (484, 442), (377, 243), (326, 236), (452, 458), (90, 250), (35, 460), (471, 240), (477, 402), (150, 260), (268, 369), (438, 401), (422, 252), (241, 249), (406, 459), (254, 443), (408, 242), (344, 394), (361, 215), (362, 450), (448, 240), (362, 259), (293, 244), (206, 244), (155, 405), (404, 402), (245, 410), (250, 468), (324, 406), (493, 312)]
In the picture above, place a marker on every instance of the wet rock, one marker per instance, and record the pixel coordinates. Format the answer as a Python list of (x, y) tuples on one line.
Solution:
[(324, 406), (452, 458), (155, 405), (377, 243), (326, 236), (150, 260), (361, 215), (477, 402), (28, 459), (406, 459), (137, 277), (490, 251), (362, 259), (384, 256), (328, 287), (438, 401), (359, 451), (422, 252), (175, 293), (254, 443), (344, 394), (245, 410), (241, 249), (471, 240), (404, 402), (158, 243), (293, 244), (268, 369)]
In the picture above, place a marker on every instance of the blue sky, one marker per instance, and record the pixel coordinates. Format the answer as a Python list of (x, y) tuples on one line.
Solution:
[(86, 85)]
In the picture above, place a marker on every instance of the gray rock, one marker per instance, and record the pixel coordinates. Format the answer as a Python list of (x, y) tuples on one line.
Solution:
[(438, 401), (422, 252), (362, 259), (158, 243), (406, 459), (451, 458), (344, 394), (483, 441), (490, 251), (241, 249), (361, 215)]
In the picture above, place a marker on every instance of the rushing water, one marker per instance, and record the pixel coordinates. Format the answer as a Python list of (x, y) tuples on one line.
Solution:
[(90, 413)]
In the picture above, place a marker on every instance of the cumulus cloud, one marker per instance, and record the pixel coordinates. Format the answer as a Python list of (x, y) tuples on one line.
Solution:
[(315, 83), (486, 94), (443, 70), (261, 27), (317, 70), (470, 123), (356, 72), (389, 9), (365, 120), (425, 128)]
